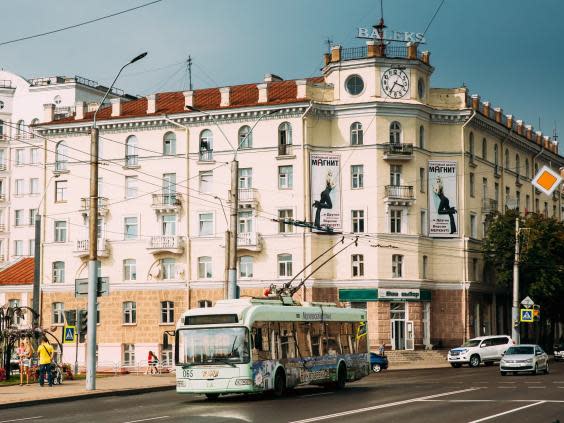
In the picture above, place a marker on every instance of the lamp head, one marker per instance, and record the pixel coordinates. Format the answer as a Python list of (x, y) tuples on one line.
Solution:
[(137, 58)]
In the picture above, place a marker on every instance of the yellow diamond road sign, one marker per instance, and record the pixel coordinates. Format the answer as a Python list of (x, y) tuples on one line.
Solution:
[(546, 180)]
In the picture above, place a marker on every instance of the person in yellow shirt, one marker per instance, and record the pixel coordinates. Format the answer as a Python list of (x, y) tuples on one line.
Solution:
[(45, 351)]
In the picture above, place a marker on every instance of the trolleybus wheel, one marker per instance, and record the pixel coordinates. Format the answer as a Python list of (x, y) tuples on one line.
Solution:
[(212, 396), (279, 383), (341, 376)]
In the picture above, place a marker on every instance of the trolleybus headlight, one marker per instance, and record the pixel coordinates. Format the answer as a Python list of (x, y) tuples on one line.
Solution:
[(243, 382)]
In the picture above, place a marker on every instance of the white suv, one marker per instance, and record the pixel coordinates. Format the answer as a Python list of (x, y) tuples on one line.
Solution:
[(483, 349)]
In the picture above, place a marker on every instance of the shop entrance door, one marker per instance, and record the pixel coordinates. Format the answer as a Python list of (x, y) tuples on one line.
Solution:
[(397, 321)]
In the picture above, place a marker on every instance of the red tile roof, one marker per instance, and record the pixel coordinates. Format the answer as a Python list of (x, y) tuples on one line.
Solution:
[(279, 92), (19, 273)]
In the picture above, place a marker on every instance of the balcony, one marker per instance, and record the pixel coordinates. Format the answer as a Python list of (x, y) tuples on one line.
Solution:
[(2, 197), (3, 167), (250, 241), (61, 167), (398, 151), (166, 244), (489, 205), (285, 151), (399, 195), (205, 156), (102, 205), (2, 228), (131, 161), (83, 246), (167, 203), (248, 197), (497, 171)]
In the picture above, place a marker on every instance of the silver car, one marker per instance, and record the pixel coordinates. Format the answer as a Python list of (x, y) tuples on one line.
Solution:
[(524, 358)]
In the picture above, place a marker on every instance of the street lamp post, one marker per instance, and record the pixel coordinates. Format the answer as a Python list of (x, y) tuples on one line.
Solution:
[(93, 240), (234, 199)]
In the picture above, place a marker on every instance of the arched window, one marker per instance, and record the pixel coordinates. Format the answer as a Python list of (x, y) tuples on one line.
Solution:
[(169, 144), (285, 134), (356, 134), (20, 130), (206, 145), (284, 265), (471, 146), (484, 149), (527, 170), (35, 121), (506, 158), (421, 136), (496, 155), (61, 156), (395, 133), (58, 272), (517, 164), (245, 137), (131, 157)]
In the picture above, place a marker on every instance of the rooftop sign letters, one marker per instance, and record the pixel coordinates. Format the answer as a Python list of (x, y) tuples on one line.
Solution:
[(388, 35)]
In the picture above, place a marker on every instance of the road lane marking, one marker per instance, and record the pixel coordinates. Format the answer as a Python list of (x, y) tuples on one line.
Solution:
[(506, 387), (376, 407), (536, 387), (22, 419), (317, 395), (145, 420), (507, 412)]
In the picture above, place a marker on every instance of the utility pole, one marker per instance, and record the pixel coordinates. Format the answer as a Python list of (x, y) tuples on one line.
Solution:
[(190, 72), (93, 241), (515, 307), (233, 231)]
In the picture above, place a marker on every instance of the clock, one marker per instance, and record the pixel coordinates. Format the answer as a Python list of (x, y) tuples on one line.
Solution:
[(395, 83)]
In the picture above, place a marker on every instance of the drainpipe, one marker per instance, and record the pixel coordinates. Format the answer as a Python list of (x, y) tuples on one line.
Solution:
[(188, 272), (463, 231), (532, 187), (307, 195)]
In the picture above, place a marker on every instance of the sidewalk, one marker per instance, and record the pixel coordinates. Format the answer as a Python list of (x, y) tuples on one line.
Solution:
[(17, 396)]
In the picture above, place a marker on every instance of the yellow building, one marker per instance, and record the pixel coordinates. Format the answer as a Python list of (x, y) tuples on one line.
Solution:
[(413, 171)]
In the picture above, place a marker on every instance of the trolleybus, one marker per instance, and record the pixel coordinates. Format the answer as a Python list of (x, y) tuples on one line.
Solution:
[(269, 344)]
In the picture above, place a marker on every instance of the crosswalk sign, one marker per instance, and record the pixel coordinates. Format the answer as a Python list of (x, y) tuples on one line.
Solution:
[(527, 315), (69, 333)]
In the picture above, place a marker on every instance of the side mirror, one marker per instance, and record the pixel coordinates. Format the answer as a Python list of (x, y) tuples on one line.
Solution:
[(503, 353), (166, 344), (483, 345)]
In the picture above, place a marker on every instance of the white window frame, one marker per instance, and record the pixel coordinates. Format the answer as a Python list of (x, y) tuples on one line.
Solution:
[(169, 144), (167, 312), (246, 267), (61, 191), (245, 178), (58, 313), (357, 265), (423, 222), (356, 134), (169, 264), (34, 186), (126, 236), (58, 272), (396, 216), (357, 176), (284, 265), (358, 216), (397, 266), (284, 228), (131, 186), (212, 224), (206, 181), (245, 137), (286, 177), (129, 311), (205, 267), (19, 187), (60, 231), (129, 269), (128, 354)]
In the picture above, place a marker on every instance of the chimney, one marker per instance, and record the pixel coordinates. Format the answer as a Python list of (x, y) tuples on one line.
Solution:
[(48, 112), (302, 88), (326, 58), (412, 51), (486, 108), (425, 57), (151, 104), (529, 132), (116, 106), (520, 127), (188, 98), (224, 96), (497, 114), (538, 137), (263, 92), (336, 53), (371, 50), (509, 122), (475, 101), (79, 109), (546, 142)]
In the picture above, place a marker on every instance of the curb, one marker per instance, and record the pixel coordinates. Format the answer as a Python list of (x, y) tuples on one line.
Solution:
[(125, 392)]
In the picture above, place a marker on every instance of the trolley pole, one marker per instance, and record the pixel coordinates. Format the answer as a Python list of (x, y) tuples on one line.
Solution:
[(515, 307)]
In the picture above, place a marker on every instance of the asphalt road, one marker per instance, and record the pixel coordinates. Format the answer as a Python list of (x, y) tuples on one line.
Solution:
[(435, 395)]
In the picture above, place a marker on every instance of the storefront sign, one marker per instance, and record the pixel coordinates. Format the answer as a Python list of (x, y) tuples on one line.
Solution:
[(443, 194), (399, 294), (325, 190), (389, 35)]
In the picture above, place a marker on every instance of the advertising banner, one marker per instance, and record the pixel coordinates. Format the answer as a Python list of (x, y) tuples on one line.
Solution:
[(325, 190), (443, 199)]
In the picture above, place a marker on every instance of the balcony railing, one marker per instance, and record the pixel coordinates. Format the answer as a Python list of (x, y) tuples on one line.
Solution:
[(61, 166), (170, 243), (247, 195), (83, 247), (285, 149), (398, 150), (131, 160), (166, 200), (102, 205), (206, 155), (249, 241), (489, 205), (399, 192)]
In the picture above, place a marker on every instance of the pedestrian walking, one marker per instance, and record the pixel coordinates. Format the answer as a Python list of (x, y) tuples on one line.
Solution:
[(25, 352), (152, 362), (45, 351)]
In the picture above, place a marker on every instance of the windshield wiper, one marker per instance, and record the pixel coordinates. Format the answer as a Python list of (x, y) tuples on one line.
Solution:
[(187, 366), (224, 361)]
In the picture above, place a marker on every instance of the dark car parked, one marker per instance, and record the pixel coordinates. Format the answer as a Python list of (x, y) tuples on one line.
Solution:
[(378, 362), (559, 351)]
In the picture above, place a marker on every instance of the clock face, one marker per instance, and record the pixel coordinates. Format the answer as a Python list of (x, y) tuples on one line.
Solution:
[(395, 83)]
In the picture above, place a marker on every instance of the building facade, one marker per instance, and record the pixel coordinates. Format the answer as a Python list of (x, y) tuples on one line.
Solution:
[(410, 172)]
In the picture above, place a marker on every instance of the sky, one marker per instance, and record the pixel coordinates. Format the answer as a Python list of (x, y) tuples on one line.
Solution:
[(508, 51)]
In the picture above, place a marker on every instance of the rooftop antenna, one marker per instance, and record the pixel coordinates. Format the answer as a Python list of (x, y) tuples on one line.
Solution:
[(554, 133), (380, 26), (329, 42), (189, 63)]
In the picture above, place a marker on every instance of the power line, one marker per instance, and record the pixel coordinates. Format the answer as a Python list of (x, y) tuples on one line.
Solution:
[(79, 24), (433, 18)]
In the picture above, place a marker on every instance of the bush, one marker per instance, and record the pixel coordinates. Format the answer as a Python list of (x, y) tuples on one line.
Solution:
[(2, 374)]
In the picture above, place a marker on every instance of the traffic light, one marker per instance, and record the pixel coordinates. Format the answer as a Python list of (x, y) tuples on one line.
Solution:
[(536, 313), (82, 323), (70, 317)]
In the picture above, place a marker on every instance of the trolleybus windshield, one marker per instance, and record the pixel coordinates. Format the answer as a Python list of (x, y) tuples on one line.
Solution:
[(227, 345)]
